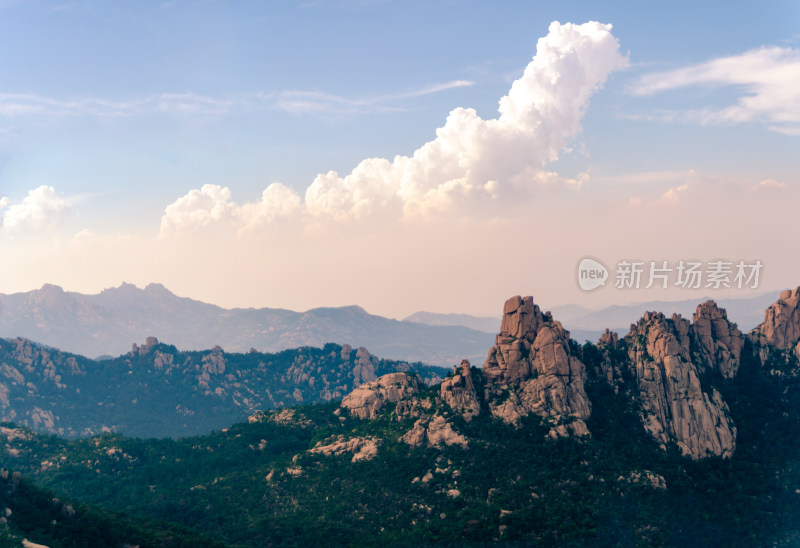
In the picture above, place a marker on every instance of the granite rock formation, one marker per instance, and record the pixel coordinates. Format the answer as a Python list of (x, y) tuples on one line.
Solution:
[(436, 431), (459, 392), (531, 370), (781, 326), (674, 406), (718, 342), (367, 400)]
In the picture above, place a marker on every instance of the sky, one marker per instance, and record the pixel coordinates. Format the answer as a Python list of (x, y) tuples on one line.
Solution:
[(402, 156)]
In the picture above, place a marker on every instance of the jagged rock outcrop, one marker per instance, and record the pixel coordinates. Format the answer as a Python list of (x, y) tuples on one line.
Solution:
[(530, 370), (674, 406), (362, 448), (781, 326), (149, 344), (717, 341), (610, 368), (365, 401), (459, 392), (436, 431), (646, 478)]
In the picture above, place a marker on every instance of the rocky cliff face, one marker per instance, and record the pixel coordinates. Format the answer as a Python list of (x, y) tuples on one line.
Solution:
[(459, 392), (530, 370), (781, 326), (674, 406), (717, 341), (27, 368)]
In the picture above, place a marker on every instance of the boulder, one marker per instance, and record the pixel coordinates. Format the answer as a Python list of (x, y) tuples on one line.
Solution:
[(362, 448), (367, 400), (436, 431)]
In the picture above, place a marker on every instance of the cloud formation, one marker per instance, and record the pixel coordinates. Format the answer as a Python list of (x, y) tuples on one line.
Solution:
[(211, 206), (13, 105), (16, 105), (471, 160), (770, 78), (41, 209), (315, 102)]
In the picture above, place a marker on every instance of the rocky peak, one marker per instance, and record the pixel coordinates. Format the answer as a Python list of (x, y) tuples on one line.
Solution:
[(367, 400), (364, 367), (530, 370), (609, 367), (149, 344), (459, 391), (521, 318), (674, 407), (718, 341), (508, 360), (781, 326), (609, 339)]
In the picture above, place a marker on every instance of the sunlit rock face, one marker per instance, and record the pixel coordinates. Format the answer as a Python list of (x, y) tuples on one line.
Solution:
[(367, 400), (674, 406), (530, 370), (717, 342), (781, 326)]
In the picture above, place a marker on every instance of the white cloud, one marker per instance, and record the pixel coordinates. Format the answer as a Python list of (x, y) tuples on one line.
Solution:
[(769, 184), (673, 195), (471, 160), (541, 111), (277, 201), (14, 105), (199, 208), (211, 206), (316, 102), (41, 209), (769, 78), (3, 202)]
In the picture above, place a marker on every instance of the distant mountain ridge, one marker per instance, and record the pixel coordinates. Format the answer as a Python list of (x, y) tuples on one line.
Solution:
[(587, 324), (108, 323)]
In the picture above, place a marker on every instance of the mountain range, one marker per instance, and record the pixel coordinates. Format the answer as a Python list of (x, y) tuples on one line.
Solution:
[(680, 432), (155, 390), (108, 323)]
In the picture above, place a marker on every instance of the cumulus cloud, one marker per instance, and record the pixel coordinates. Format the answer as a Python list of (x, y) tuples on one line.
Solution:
[(673, 195), (199, 208), (769, 184), (471, 157), (211, 206), (471, 160), (41, 209), (769, 77)]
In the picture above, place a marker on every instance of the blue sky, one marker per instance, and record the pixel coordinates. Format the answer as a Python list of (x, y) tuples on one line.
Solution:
[(120, 110)]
